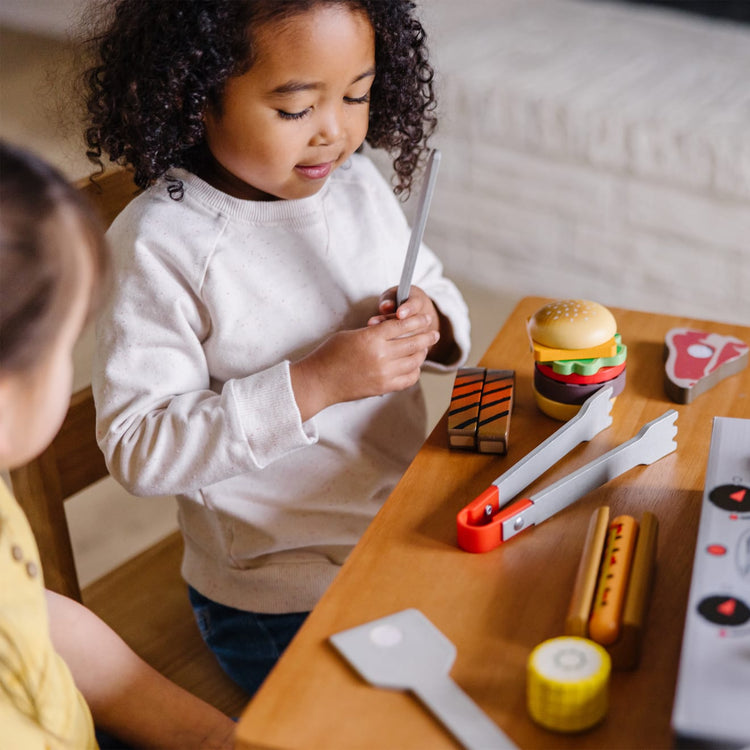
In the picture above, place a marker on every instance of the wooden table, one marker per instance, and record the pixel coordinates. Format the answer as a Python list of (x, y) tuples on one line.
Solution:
[(497, 606)]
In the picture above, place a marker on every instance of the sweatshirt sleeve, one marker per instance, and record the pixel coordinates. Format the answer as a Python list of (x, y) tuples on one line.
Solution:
[(163, 425)]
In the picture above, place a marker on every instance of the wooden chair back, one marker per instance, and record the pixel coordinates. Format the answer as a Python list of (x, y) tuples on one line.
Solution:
[(70, 464)]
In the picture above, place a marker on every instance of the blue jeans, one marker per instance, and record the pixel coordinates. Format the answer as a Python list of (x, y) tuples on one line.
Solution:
[(246, 644)]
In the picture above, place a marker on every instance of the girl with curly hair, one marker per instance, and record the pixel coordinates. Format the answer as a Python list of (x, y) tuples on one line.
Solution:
[(249, 360)]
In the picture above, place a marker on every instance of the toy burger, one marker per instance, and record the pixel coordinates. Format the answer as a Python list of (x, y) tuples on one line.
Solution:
[(577, 351)]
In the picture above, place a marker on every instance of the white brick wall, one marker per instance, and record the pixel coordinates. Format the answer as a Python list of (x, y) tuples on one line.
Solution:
[(594, 149)]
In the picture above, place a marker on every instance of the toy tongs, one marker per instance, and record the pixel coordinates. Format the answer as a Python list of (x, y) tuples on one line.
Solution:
[(488, 521)]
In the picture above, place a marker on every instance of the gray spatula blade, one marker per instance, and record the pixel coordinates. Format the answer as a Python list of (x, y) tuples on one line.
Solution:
[(405, 651)]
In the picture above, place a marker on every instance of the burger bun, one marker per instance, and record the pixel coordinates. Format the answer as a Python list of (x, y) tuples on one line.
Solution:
[(572, 324)]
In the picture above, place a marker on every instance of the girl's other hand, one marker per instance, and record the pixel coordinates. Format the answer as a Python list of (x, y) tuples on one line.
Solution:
[(364, 362), (418, 303)]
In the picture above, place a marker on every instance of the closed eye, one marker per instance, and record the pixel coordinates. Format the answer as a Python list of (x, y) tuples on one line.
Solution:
[(294, 115), (357, 100), (302, 113)]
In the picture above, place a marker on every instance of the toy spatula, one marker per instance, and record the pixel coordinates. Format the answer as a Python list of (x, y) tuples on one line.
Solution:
[(405, 651)]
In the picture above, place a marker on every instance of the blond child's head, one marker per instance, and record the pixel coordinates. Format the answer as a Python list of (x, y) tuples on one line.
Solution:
[(52, 260)]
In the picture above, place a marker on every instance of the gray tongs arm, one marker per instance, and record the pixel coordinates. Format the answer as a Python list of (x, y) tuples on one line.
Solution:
[(593, 417), (654, 441)]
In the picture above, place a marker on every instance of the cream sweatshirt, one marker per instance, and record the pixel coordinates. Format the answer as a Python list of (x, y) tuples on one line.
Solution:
[(213, 298)]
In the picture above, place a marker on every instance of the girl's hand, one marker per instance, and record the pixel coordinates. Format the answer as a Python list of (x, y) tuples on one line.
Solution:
[(364, 362), (418, 303)]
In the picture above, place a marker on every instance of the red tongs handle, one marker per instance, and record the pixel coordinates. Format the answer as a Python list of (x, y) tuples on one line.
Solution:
[(480, 523)]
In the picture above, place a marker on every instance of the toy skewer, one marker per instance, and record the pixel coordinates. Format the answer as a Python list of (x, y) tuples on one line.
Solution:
[(423, 208)]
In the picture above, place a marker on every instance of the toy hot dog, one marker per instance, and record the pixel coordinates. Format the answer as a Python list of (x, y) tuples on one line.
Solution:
[(606, 613)]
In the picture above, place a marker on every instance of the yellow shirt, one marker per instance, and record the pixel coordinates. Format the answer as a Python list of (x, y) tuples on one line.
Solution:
[(40, 706)]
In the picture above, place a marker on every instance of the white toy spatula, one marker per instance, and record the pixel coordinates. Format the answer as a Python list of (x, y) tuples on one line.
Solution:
[(405, 651)]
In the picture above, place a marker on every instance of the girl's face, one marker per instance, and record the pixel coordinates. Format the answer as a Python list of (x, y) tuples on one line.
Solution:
[(33, 403), (300, 111)]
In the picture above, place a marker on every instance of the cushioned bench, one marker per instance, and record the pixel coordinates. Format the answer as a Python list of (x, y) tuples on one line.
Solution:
[(594, 149)]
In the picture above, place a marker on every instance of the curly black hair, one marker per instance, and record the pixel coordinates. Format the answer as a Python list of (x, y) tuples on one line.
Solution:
[(160, 64)]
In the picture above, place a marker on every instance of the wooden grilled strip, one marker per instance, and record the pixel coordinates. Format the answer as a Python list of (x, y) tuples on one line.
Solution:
[(463, 413), (495, 408)]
